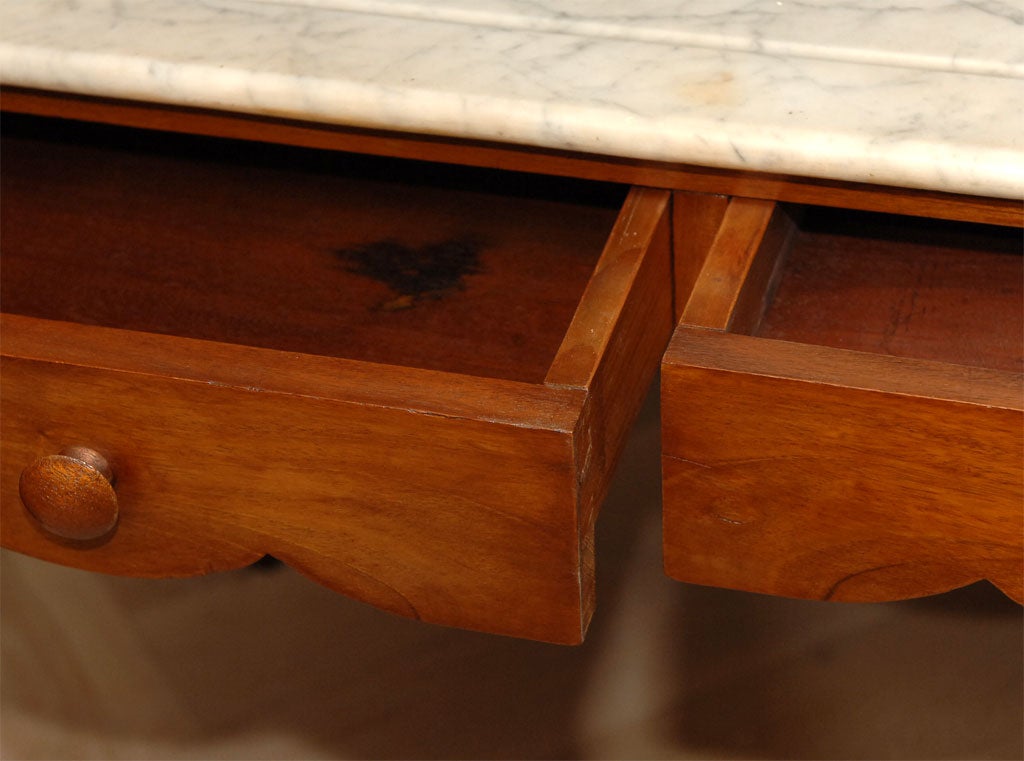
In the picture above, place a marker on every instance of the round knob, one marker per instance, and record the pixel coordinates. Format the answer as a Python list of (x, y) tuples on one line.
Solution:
[(71, 494)]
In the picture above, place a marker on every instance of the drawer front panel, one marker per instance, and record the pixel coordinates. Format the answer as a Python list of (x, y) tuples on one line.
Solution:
[(786, 485), (463, 522)]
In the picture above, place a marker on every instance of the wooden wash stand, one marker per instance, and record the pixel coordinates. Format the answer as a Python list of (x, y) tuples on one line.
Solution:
[(405, 365)]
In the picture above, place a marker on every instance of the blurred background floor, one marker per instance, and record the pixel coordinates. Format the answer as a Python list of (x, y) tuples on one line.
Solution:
[(263, 664)]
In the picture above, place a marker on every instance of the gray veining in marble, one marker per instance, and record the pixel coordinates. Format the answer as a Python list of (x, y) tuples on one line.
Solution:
[(919, 93)]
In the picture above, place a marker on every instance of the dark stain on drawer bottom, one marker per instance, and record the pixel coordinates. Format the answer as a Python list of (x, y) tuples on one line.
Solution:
[(414, 273)]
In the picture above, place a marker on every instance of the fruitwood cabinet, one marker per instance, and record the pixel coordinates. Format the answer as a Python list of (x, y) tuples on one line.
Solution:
[(406, 365)]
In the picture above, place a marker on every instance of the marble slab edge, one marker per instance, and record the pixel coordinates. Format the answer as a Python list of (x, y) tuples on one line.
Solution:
[(635, 98)]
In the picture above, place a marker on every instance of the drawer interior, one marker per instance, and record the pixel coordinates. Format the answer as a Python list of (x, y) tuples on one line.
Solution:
[(399, 262), (902, 286)]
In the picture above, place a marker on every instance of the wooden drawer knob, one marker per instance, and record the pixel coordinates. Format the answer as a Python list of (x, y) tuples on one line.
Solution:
[(71, 494)]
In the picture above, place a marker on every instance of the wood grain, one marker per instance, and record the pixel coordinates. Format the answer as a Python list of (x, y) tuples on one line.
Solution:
[(781, 482), (736, 277), (798, 468), (461, 522), (892, 285), (71, 496), (696, 220), (519, 158), (319, 253)]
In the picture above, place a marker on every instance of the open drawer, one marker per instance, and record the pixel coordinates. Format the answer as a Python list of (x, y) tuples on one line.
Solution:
[(842, 407), (408, 382)]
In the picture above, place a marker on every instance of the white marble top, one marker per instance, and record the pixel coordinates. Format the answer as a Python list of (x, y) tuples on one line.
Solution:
[(915, 93)]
